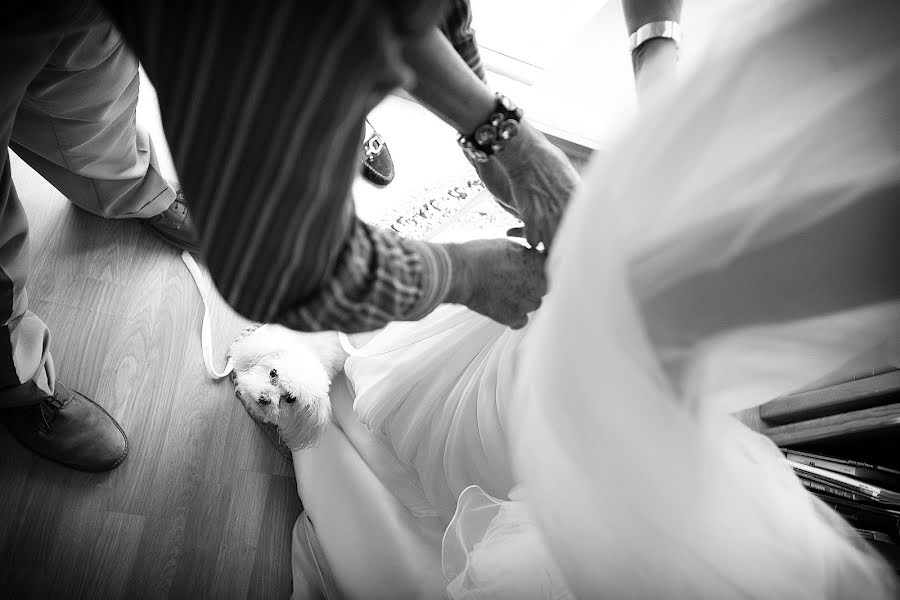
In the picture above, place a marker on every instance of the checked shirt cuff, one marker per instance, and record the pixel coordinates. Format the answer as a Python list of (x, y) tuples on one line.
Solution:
[(437, 275)]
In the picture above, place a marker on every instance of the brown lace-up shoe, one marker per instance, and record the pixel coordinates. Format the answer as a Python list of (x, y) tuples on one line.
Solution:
[(71, 429), (175, 226)]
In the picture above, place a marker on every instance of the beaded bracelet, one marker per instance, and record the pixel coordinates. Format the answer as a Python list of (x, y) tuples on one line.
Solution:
[(492, 135)]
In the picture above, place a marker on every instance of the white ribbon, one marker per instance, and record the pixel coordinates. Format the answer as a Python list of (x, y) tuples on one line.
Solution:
[(205, 335), (347, 345)]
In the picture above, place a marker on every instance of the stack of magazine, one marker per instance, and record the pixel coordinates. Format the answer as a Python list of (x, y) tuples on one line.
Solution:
[(867, 496)]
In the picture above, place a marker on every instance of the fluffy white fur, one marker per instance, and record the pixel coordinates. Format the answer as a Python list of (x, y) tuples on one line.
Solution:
[(284, 377)]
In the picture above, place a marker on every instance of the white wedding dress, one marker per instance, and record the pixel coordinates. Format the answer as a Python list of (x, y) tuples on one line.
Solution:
[(736, 245)]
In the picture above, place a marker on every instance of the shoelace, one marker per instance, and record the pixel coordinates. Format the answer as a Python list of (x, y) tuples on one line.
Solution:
[(178, 208), (52, 405)]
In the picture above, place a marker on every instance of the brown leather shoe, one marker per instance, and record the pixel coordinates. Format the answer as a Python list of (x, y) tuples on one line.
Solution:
[(175, 226), (71, 429)]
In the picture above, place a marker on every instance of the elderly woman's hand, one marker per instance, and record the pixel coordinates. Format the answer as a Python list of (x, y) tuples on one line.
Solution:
[(533, 180)]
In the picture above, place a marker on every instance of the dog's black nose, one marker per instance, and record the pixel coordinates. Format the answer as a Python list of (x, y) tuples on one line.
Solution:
[(264, 401), (288, 398)]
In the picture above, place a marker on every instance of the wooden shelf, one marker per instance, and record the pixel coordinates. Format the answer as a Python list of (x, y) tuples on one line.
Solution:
[(836, 426), (843, 410), (859, 394)]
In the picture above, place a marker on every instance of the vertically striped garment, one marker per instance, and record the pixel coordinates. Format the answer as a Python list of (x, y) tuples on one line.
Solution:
[(264, 103)]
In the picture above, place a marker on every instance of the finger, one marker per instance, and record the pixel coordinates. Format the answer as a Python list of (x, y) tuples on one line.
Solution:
[(537, 289), (516, 232), (532, 306), (538, 283), (551, 235), (548, 230), (553, 227), (508, 208), (519, 323), (536, 257), (541, 286), (532, 236), (545, 237)]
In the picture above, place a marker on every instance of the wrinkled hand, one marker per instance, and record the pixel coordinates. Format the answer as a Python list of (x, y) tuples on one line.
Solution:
[(533, 180), (497, 278)]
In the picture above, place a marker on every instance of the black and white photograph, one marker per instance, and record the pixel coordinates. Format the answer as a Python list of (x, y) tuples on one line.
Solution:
[(450, 299)]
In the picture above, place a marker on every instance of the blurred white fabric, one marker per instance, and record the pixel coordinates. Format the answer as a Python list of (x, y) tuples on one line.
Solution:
[(697, 273)]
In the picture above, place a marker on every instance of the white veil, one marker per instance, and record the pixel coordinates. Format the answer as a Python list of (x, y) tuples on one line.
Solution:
[(680, 291)]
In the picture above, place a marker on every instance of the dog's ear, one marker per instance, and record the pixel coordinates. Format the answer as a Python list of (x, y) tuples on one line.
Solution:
[(260, 347), (303, 423), (245, 356)]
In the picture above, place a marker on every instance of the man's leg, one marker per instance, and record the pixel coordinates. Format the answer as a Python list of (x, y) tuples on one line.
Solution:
[(38, 410), (76, 126)]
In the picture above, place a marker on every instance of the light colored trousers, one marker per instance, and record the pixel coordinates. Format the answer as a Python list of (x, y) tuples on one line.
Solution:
[(68, 96)]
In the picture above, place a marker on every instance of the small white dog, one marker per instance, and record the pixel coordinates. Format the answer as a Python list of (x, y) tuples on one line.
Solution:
[(283, 378)]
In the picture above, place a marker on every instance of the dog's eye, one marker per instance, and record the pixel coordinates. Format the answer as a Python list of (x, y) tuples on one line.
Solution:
[(273, 373)]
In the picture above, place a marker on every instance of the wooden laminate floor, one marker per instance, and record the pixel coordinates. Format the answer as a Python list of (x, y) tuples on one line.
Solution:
[(203, 506)]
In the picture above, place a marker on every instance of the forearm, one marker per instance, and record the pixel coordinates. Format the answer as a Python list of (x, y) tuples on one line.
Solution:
[(654, 61), (456, 25), (446, 84), (641, 12), (450, 89)]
